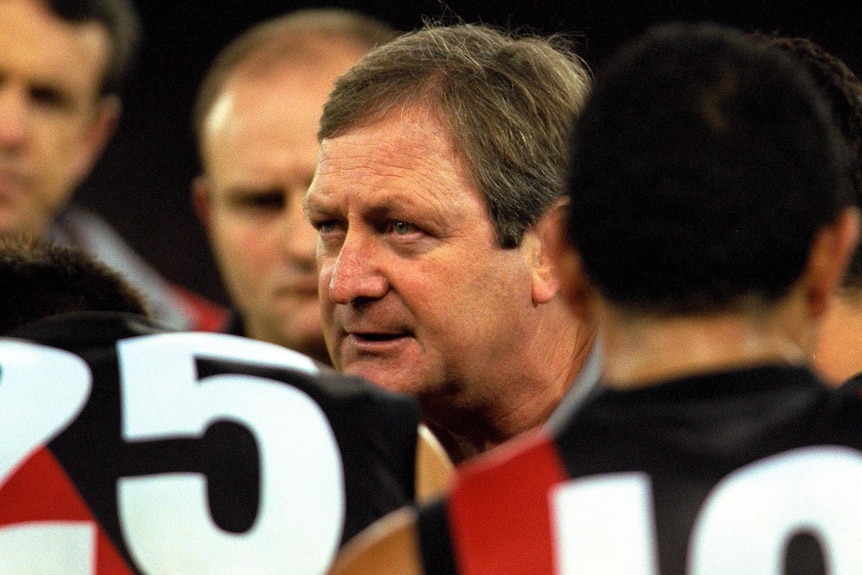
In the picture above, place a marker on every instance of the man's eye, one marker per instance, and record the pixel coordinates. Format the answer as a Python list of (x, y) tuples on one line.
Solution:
[(49, 97), (326, 227), (268, 202), (402, 228)]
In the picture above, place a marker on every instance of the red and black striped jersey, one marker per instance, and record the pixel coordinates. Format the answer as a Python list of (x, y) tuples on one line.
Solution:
[(125, 448), (749, 471)]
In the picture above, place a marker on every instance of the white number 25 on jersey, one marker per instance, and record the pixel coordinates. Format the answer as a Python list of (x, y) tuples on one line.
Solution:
[(165, 518)]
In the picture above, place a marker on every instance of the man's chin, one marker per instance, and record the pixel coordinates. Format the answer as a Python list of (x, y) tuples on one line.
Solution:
[(11, 226), (383, 375)]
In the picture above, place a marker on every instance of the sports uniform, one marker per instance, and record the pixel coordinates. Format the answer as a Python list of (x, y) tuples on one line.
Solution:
[(129, 449), (854, 384), (748, 471)]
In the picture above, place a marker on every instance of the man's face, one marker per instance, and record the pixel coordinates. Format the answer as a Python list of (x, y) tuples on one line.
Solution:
[(260, 151), (416, 294), (52, 121)]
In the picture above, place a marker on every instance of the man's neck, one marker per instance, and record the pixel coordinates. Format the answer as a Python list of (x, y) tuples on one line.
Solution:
[(648, 350), (522, 404)]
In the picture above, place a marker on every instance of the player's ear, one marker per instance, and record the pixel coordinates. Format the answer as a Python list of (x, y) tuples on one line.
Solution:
[(828, 258)]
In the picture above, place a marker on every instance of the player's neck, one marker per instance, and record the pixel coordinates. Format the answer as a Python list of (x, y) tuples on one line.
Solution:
[(648, 350)]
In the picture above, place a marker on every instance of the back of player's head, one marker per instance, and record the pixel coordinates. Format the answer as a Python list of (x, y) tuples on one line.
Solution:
[(701, 169), (39, 280)]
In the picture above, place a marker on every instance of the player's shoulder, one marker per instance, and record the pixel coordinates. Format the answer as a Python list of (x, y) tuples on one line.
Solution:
[(844, 412), (86, 328), (531, 459), (853, 386)]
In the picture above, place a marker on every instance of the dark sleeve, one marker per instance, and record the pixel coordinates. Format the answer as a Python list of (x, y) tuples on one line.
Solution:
[(853, 386), (435, 543), (377, 435), (406, 418)]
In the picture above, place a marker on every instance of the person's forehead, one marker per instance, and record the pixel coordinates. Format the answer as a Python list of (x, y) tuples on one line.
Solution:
[(41, 47), (293, 87), (409, 141), (265, 124), (313, 51), (284, 86), (407, 158)]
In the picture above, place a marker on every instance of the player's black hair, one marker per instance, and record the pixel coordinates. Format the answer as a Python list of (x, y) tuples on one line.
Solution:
[(39, 279), (700, 171)]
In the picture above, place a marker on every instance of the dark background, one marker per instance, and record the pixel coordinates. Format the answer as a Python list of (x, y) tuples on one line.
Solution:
[(141, 185)]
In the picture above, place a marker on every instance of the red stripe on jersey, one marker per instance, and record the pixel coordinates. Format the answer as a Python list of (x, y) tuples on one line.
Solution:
[(41, 490), (499, 513)]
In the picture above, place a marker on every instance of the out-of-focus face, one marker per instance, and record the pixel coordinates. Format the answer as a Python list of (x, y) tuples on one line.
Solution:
[(260, 151), (53, 122), (416, 294)]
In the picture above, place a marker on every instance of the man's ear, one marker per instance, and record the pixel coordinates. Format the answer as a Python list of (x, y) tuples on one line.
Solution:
[(828, 258), (96, 136), (202, 199), (545, 279), (573, 284)]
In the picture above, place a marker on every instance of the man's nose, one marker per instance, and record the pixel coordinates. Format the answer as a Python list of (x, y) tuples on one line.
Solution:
[(13, 116), (356, 272)]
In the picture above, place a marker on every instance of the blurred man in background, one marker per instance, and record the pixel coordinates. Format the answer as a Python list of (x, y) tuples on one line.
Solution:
[(256, 119), (63, 64)]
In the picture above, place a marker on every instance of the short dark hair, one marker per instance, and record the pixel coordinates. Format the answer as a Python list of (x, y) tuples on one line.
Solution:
[(701, 169), (508, 99), (39, 279), (121, 20), (843, 92)]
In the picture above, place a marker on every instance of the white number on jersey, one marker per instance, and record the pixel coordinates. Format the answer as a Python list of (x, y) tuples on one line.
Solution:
[(165, 518), (606, 523), (42, 390)]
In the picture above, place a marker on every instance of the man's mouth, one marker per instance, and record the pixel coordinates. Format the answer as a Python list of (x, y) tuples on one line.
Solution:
[(377, 336)]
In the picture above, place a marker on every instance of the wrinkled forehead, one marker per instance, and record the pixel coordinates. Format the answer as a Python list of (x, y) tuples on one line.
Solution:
[(408, 153)]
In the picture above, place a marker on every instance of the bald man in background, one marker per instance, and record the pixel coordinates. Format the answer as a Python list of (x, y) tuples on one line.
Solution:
[(256, 120)]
